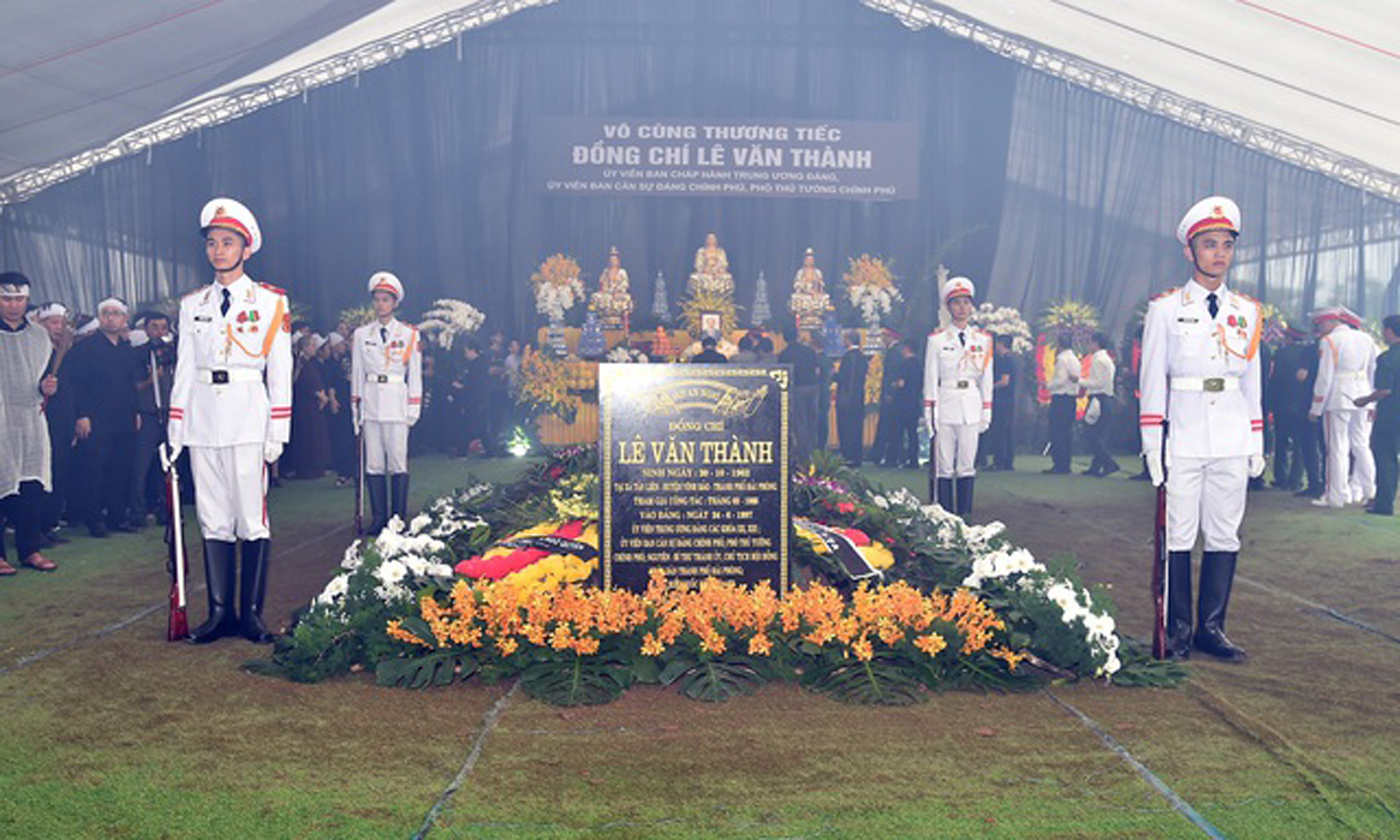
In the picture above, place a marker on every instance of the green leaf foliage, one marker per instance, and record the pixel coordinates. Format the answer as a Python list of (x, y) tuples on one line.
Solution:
[(713, 679), (567, 679), (887, 679), (434, 669)]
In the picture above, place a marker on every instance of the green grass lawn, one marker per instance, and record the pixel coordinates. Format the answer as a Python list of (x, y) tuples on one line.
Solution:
[(124, 735)]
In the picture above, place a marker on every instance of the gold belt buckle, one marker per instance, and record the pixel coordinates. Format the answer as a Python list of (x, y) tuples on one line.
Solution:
[(1214, 384)]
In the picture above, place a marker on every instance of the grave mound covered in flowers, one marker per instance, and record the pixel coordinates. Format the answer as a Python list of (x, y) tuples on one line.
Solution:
[(496, 582)]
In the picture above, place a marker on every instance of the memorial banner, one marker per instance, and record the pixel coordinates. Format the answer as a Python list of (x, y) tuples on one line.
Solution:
[(695, 473), (872, 161)]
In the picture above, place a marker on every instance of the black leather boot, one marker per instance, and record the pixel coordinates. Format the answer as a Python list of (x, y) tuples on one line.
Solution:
[(965, 496), (398, 496), (945, 494), (1217, 574), (378, 504), (218, 578), (254, 586), (1179, 605)]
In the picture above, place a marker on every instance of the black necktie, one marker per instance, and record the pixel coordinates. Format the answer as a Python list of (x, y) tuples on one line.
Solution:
[(384, 334), (1213, 304), (223, 307), (962, 337)]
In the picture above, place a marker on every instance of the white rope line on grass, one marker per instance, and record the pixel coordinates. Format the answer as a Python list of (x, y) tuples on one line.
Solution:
[(1326, 611), (1322, 608), (37, 656), (488, 725), (1173, 798)]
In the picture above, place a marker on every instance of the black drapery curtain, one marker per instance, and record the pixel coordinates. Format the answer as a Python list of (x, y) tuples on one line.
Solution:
[(1095, 188), (419, 166)]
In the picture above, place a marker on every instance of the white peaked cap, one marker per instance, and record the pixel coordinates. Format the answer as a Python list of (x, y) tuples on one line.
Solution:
[(228, 214), (959, 286), (384, 281), (1214, 212)]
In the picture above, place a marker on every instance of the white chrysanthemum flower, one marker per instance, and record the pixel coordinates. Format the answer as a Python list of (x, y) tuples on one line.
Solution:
[(419, 523), (334, 591), (440, 570), (391, 572), (352, 559), (1099, 625)]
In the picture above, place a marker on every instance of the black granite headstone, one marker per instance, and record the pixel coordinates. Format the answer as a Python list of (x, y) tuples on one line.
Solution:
[(695, 473)]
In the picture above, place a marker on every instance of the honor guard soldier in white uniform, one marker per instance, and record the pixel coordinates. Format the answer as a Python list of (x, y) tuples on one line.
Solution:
[(957, 395), (386, 390), (1200, 375), (1345, 369), (231, 404)]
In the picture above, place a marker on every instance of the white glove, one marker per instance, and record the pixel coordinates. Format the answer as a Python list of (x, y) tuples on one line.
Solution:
[(412, 419), (930, 421), (1154, 467), (272, 450), (1256, 466), (985, 424), (174, 449)]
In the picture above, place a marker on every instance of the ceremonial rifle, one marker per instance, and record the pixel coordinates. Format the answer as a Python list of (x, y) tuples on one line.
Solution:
[(932, 465), (359, 484), (1161, 580), (178, 628)]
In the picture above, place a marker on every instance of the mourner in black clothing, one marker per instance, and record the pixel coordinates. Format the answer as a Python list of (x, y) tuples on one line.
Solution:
[(59, 416), (806, 372), (1000, 438), (850, 401), (708, 354), (1385, 431), (102, 374), (884, 452), (909, 404), (155, 371), (469, 394), (1288, 398)]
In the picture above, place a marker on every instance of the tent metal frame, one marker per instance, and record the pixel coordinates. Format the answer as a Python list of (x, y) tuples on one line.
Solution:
[(918, 14), (915, 14)]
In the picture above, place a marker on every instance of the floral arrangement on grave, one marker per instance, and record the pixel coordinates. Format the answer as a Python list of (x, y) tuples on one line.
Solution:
[(544, 387), (613, 300), (895, 600), (871, 290), (809, 302), (1005, 320), (711, 275), (450, 318), (558, 288)]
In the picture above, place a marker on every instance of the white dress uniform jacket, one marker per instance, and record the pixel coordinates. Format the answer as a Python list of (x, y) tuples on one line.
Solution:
[(958, 376), (386, 373), (1346, 369), (233, 377), (1202, 375)]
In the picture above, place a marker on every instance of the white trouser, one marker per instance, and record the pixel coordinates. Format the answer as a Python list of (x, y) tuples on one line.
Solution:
[(1348, 437), (1206, 495), (230, 491), (957, 450), (386, 447)]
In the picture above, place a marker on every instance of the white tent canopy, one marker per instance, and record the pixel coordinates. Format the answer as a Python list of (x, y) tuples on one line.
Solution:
[(86, 82)]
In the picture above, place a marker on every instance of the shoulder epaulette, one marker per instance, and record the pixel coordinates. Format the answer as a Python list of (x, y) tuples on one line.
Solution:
[(272, 288), (188, 295), (1254, 301), (1168, 293), (936, 332)]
